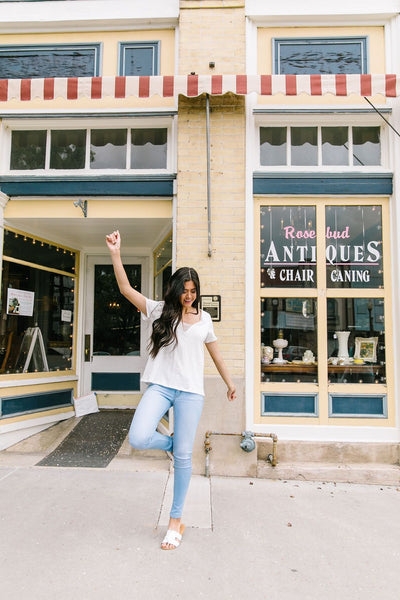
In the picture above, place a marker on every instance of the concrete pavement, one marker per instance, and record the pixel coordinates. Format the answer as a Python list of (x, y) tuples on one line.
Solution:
[(94, 534)]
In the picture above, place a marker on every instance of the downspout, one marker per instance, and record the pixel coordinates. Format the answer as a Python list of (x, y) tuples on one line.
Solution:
[(208, 174)]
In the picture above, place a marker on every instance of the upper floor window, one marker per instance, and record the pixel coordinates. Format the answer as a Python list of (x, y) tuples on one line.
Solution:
[(139, 58), (320, 55), (320, 146), (32, 62), (89, 149)]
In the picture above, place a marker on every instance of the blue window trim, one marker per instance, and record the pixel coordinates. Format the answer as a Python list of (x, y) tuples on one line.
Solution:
[(289, 414), (48, 48), (141, 185), (129, 45), (323, 183), (382, 415), (36, 402), (278, 42)]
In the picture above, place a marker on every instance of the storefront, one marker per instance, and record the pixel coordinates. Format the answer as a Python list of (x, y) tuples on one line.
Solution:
[(324, 312)]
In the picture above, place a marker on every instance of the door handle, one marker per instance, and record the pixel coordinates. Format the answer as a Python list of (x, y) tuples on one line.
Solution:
[(88, 358)]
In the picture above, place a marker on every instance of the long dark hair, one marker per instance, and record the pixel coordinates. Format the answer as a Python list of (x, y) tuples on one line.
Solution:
[(164, 328)]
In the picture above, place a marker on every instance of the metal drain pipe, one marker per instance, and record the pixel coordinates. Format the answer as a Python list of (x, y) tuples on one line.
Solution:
[(247, 444), (208, 174)]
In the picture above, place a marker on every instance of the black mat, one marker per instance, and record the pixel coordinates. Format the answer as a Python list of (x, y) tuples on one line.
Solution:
[(93, 442)]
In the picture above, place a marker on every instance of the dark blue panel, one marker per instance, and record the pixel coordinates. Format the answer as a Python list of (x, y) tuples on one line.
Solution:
[(296, 184), (92, 187), (280, 403), (35, 402), (116, 382), (358, 405)]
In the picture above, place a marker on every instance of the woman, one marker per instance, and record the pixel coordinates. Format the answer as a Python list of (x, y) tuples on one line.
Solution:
[(174, 372)]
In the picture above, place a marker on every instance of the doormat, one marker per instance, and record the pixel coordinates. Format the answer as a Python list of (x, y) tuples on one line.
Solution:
[(93, 442)]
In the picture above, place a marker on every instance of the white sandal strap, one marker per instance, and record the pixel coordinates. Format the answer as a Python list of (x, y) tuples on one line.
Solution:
[(172, 537)]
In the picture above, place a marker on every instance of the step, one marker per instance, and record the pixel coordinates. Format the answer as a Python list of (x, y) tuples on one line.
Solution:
[(368, 473)]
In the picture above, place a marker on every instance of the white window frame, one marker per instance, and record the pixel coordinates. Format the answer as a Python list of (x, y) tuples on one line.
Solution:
[(10, 125), (313, 120)]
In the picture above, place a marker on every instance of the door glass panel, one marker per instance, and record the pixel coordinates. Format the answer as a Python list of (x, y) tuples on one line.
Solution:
[(289, 339), (288, 246), (356, 340), (116, 329), (354, 254)]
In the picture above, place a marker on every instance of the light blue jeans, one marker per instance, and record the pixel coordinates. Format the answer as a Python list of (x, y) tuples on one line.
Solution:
[(155, 402)]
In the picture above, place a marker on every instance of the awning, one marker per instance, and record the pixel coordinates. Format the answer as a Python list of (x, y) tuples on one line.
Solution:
[(169, 86)]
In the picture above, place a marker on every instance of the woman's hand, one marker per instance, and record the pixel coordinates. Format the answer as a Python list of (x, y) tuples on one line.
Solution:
[(231, 393), (113, 241)]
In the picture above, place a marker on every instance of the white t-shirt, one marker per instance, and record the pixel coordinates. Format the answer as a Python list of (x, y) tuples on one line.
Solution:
[(180, 366)]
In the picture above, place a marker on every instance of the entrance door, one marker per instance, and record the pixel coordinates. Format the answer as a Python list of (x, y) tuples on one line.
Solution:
[(115, 340)]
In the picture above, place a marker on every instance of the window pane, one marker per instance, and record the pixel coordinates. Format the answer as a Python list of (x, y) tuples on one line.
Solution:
[(318, 56), (37, 315), (28, 149), (289, 339), (356, 340), (108, 148), (304, 145), (68, 149), (149, 149), (335, 146), (366, 146), (116, 323), (23, 247), (140, 59), (354, 254), (273, 146), (288, 247), (31, 63)]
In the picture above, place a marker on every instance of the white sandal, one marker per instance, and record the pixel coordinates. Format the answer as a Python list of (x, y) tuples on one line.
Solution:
[(173, 538)]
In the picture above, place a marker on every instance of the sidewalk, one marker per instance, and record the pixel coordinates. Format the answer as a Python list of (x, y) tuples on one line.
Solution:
[(94, 534)]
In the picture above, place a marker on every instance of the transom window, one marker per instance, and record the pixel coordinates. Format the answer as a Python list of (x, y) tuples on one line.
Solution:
[(320, 55), (139, 58), (320, 146), (32, 62), (90, 149)]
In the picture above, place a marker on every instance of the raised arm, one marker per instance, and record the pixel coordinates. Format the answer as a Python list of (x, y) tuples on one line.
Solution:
[(113, 241), (216, 355)]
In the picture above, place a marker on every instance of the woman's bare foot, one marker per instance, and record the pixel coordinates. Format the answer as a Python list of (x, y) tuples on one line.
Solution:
[(174, 525)]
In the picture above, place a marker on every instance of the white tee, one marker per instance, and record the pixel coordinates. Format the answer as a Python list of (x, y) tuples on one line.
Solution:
[(180, 366)]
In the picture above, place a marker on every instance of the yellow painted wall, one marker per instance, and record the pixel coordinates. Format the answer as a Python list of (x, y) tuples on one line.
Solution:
[(376, 59)]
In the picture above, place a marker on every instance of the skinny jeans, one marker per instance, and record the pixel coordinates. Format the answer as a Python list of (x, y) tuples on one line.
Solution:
[(143, 434)]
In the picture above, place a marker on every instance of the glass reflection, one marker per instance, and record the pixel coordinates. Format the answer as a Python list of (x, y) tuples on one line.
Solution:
[(149, 149), (356, 340), (108, 148), (28, 150), (304, 145), (366, 146), (335, 145), (289, 339), (273, 146), (68, 149), (354, 254)]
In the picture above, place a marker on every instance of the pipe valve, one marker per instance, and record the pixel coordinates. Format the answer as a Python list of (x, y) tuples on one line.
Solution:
[(248, 443)]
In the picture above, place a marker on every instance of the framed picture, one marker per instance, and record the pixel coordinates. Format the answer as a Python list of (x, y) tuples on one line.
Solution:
[(366, 348)]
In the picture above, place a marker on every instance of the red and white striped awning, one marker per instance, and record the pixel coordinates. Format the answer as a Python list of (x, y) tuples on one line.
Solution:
[(168, 86)]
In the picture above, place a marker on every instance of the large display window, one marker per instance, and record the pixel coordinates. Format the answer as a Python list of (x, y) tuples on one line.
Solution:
[(323, 309), (37, 306)]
